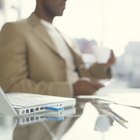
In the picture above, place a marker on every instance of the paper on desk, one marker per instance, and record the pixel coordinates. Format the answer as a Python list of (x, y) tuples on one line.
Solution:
[(127, 97)]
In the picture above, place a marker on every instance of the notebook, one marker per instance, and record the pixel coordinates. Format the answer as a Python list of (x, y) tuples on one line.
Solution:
[(27, 103)]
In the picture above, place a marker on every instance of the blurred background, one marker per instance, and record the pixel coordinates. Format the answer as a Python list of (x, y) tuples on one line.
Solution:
[(109, 23)]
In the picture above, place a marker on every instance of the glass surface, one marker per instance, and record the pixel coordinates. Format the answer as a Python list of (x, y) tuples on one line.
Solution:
[(81, 122)]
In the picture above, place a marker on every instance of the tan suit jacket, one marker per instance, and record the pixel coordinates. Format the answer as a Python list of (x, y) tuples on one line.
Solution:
[(29, 61)]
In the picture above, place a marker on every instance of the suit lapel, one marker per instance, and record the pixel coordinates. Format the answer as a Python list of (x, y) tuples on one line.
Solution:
[(41, 32), (71, 46), (75, 51)]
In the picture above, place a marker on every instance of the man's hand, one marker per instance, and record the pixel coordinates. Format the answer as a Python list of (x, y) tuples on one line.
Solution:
[(111, 59), (85, 86)]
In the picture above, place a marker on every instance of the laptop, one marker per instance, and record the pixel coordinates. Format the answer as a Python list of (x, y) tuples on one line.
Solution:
[(19, 104), (47, 116)]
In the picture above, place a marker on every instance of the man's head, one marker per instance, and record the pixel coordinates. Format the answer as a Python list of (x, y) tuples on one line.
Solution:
[(48, 9)]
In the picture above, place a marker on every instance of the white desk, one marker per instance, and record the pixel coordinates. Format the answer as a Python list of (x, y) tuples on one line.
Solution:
[(79, 126)]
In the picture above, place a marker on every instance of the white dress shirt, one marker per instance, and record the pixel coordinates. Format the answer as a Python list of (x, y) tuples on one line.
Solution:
[(63, 51)]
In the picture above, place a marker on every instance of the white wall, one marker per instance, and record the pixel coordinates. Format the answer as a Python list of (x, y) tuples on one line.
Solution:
[(114, 23)]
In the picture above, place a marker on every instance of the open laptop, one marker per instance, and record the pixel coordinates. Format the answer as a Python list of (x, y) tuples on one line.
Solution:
[(19, 104)]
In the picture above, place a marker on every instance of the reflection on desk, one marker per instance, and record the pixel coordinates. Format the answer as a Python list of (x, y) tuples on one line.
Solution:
[(8, 124), (49, 115), (80, 125)]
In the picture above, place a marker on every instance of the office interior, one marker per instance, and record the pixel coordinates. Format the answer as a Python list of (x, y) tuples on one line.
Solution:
[(112, 24), (107, 23)]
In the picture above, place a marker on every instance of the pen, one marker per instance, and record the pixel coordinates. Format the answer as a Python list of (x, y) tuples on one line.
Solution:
[(119, 121), (107, 108), (114, 116), (104, 109), (117, 115)]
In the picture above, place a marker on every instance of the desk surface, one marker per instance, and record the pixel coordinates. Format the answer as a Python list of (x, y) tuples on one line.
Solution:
[(79, 125)]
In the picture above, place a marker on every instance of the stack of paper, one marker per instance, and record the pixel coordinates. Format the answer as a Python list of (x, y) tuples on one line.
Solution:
[(126, 96)]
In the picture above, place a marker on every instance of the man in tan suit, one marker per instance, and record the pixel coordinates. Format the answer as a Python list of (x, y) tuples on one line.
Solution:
[(35, 57)]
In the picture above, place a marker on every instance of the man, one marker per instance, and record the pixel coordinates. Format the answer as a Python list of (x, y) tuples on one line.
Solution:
[(35, 57)]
